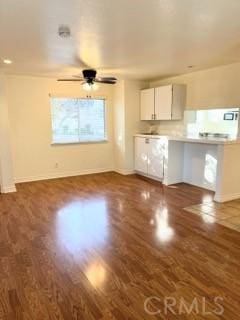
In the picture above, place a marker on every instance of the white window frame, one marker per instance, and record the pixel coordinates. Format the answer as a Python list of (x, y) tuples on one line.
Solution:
[(105, 140)]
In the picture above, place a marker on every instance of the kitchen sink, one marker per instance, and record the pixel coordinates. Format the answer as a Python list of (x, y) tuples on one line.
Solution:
[(150, 134)]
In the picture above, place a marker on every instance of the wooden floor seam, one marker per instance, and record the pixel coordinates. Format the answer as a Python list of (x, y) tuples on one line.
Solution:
[(103, 246)]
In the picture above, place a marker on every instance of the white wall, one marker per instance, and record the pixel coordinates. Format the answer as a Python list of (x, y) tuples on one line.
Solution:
[(30, 123), (133, 124), (126, 122), (30, 126), (216, 87), (119, 125), (228, 174), (35, 158), (6, 163), (207, 89)]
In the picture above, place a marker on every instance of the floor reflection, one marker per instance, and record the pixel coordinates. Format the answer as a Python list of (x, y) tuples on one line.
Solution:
[(145, 195), (164, 232), (96, 274), (210, 171), (208, 219), (82, 225), (207, 198)]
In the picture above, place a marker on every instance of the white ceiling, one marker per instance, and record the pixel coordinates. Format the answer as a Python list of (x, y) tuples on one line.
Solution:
[(141, 39)]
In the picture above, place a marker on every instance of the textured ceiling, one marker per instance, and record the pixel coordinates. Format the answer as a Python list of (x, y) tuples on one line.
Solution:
[(141, 39)]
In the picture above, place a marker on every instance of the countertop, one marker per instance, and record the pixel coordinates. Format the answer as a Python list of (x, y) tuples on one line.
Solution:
[(193, 139)]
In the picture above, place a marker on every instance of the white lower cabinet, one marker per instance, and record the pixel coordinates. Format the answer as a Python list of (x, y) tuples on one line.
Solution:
[(156, 158), (141, 154), (149, 157)]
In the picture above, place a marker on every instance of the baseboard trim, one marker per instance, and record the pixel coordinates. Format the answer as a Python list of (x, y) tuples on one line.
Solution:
[(72, 174), (8, 189), (124, 172), (62, 175), (226, 197), (199, 185)]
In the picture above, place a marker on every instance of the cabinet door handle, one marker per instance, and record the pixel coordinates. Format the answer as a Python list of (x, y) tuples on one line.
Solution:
[(147, 140), (152, 117)]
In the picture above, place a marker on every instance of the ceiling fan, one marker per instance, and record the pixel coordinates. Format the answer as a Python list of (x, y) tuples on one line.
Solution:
[(89, 79)]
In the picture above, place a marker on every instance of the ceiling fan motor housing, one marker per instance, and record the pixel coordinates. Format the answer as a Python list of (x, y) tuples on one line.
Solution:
[(89, 75)]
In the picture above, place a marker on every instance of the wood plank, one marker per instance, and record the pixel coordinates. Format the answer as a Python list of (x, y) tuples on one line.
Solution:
[(97, 246)]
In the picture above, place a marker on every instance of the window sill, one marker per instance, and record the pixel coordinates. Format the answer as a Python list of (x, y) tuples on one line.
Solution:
[(79, 142)]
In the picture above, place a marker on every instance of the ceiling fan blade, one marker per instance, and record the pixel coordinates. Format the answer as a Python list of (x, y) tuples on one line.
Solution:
[(106, 78), (105, 81), (70, 79)]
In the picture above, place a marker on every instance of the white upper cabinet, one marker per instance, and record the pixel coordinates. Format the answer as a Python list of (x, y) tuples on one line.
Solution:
[(166, 103), (147, 104), (170, 102), (163, 102)]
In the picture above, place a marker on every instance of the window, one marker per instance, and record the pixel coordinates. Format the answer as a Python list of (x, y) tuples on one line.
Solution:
[(77, 120)]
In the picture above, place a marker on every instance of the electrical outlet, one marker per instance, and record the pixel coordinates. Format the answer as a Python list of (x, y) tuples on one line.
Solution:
[(56, 165)]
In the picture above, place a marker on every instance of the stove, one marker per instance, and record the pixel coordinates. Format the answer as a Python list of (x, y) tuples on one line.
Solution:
[(214, 135)]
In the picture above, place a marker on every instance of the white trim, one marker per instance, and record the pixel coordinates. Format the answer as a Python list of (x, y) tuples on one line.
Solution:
[(8, 189), (169, 183), (79, 142), (226, 197), (238, 132), (62, 175), (149, 176), (199, 185), (124, 172), (142, 174)]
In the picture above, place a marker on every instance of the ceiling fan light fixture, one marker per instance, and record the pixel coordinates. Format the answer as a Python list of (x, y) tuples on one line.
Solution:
[(87, 86), (90, 86), (95, 86), (7, 61)]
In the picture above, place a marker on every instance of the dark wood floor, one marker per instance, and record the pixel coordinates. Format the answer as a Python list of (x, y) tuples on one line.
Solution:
[(97, 246)]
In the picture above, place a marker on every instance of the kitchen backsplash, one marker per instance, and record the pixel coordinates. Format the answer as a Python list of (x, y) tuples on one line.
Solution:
[(212, 120), (168, 127)]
